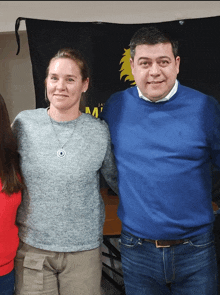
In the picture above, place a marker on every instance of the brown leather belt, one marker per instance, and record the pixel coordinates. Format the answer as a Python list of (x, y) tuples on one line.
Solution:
[(166, 243)]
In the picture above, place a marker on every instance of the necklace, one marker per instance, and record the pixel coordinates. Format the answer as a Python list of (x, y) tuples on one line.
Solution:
[(61, 153)]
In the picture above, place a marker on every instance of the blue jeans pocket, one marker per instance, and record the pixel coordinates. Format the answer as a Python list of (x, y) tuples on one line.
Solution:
[(128, 240), (202, 241)]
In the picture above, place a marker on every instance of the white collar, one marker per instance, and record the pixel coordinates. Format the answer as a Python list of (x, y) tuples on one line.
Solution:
[(167, 97)]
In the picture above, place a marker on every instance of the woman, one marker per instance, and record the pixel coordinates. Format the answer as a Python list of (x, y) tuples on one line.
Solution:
[(62, 213), (10, 198)]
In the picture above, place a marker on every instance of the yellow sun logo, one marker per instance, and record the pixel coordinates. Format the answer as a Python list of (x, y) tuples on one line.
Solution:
[(126, 68)]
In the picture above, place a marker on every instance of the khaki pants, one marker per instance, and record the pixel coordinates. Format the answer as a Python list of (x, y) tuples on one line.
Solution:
[(51, 273)]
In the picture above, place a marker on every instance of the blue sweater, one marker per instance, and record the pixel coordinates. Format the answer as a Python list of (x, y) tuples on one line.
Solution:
[(163, 153)]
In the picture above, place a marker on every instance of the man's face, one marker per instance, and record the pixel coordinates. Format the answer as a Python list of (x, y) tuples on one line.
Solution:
[(155, 69)]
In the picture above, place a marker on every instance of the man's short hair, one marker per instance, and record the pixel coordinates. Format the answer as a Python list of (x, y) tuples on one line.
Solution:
[(151, 36)]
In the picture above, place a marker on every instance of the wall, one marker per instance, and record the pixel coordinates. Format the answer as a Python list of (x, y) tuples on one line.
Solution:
[(106, 11), (16, 82)]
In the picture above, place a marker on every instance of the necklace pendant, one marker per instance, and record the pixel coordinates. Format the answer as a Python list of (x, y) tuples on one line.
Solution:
[(61, 153)]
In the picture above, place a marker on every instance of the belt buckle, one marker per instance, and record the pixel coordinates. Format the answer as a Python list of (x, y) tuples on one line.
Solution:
[(159, 246)]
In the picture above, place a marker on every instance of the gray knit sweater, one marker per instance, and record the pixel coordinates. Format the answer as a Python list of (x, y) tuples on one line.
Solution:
[(62, 209)]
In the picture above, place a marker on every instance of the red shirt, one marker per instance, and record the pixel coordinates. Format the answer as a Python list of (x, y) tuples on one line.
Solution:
[(9, 240)]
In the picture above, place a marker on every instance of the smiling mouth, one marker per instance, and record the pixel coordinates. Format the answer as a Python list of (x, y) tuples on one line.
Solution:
[(60, 95), (155, 82)]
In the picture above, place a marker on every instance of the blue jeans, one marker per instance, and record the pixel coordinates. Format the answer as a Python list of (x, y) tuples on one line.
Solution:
[(7, 284), (185, 269)]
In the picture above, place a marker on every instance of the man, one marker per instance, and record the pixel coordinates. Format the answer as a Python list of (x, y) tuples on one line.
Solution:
[(216, 206), (164, 137)]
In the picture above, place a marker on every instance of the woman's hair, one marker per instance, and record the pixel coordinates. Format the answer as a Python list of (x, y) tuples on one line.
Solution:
[(10, 173), (77, 57)]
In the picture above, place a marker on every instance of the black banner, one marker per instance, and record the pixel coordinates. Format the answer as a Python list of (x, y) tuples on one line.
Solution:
[(106, 48)]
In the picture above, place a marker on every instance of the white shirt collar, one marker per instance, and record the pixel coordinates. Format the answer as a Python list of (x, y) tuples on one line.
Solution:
[(167, 97)]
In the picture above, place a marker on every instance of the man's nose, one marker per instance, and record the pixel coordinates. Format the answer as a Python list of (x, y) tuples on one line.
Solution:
[(154, 69)]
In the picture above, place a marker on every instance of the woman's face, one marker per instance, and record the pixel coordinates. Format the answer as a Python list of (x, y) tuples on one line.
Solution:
[(64, 84)]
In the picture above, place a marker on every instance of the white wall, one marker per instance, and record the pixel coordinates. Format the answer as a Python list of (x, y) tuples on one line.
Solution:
[(16, 82), (107, 11)]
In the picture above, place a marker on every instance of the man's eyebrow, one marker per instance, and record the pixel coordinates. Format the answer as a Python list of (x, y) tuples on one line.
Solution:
[(144, 58), (165, 56), (148, 58)]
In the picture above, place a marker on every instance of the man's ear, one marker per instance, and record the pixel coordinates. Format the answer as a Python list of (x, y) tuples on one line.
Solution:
[(177, 64), (132, 64)]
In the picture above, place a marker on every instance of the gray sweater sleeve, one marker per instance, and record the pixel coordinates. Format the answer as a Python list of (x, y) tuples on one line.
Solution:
[(108, 169)]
